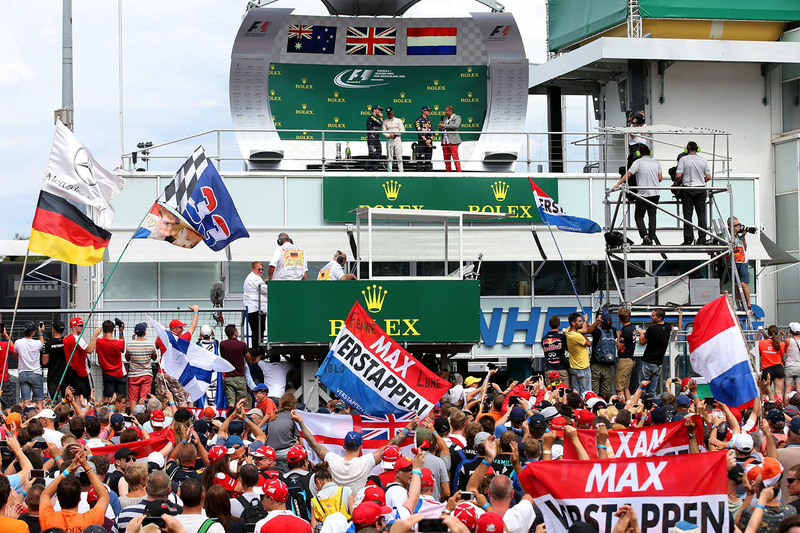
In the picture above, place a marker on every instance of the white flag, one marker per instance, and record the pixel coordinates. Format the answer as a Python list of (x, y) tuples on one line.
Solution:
[(73, 173)]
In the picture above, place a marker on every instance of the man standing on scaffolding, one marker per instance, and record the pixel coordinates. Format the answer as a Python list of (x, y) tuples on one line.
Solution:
[(648, 174), (693, 171)]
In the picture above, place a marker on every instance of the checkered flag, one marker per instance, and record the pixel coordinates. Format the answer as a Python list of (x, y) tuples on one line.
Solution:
[(177, 192)]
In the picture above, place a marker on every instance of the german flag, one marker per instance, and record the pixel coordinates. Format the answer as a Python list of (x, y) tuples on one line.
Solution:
[(62, 232)]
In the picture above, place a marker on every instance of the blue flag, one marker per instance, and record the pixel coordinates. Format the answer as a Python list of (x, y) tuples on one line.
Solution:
[(554, 215), (304, 39), (199, 195)]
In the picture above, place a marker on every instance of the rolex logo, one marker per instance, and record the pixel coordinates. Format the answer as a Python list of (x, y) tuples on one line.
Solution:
[(436, 82), (500, 189), (272, 67), (469, 69), (392, 189), (374, 297), (336, 119), (469, 119), (336, 94), (304, 106), (469, 94), (402, 95), (304, 80), (272, 92), (436, 107)]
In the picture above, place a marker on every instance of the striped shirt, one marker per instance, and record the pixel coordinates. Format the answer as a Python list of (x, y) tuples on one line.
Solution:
[(140, 352), (132, 511)]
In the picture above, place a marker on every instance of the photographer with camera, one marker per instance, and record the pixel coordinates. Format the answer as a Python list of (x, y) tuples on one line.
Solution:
[(740, 231)]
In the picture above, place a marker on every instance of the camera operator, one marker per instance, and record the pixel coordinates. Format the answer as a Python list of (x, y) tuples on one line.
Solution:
[(740, 231), (635, 119)]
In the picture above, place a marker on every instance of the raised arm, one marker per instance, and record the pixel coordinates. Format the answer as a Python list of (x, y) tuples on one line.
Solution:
[(397, 439), (572, 434), (318, 448)]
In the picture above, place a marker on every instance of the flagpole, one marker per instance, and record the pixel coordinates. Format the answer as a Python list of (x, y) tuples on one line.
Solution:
[(565, 267), (13, 319)]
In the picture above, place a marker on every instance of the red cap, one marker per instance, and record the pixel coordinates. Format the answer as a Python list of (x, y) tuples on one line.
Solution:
[(390, 455), (467, 513), (209, 412), (490, 523), (427, 477), (685, 382), (92, 496), (589, 394), (402, 463), (562, 386), (225, 481), (77, 321), (374, 494), (584, 417), (554, 374), (367, 513), (295, 454), (217, 452), (176, 324), (157, 417), (557, 425), (265, 451), (277, 490)]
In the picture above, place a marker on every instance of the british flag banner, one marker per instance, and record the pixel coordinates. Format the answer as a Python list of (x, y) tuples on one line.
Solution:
[(377, 431), (370, 41)]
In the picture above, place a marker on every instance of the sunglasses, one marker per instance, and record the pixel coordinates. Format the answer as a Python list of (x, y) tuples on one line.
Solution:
[(128, 459), (259, 269), (790, 480)]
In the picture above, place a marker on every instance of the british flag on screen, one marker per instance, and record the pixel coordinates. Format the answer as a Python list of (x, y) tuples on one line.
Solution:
[(362, 40)]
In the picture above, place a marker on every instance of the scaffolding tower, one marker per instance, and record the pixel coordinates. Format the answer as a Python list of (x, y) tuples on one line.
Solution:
[(622, 258)]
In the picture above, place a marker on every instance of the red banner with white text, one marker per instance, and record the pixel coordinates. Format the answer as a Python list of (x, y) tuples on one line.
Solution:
[(662, 491)]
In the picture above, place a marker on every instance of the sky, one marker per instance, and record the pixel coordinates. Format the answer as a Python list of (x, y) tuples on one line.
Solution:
[(176, 61)]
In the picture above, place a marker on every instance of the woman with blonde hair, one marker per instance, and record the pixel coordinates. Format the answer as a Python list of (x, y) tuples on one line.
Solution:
[(136, 477), (283, 433)]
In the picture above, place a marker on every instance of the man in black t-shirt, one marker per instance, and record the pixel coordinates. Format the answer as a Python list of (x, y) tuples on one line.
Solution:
[(54, 359), (655, 339), (625, 350), (554, 344)]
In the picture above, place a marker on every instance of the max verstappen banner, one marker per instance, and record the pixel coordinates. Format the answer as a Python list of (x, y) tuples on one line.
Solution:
[(662, 490), (367, 369), (663, 439)]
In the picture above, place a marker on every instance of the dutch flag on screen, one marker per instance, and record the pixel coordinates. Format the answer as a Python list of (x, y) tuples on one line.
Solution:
[(431, 41), (719, 354)]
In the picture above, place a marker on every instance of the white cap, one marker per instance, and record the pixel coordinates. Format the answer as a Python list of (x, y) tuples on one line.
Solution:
[(46, 413), (157, 458), (743, 442), (794, 327), (557, 450), (206, 331)]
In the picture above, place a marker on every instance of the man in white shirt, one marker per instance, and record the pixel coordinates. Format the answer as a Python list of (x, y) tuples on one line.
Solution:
[(456, 392), (47, 417), (275, 376), (255, 302), (393, 130), (334, 270), (31, 380), (353, 469), (693, 171), (288, 261), (648, 174), (193, 516)]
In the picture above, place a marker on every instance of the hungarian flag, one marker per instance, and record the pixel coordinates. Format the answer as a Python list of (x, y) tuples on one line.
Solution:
[(62, 232)]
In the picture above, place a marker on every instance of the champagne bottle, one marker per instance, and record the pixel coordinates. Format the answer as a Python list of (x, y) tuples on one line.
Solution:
[(347, 151)]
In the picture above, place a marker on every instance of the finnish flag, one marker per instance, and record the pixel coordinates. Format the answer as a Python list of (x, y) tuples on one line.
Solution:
[(189, 363)]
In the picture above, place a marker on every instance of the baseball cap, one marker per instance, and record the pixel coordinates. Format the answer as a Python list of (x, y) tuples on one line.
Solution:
[(537, 420), (157, 418), (265, 451), (76, 321), (775, 416), (353, 438), (403, 463), (117, 422), (467, 513), (743, 442), (389, 110), (209, 411), (368, 512), (175, 323), (557, 425), (260, 386), (425, 108), (490, 523), (481, 437), (236, 427), (233, 443), (182, 415), (374, 493), (549, 412), (200, 426), (794, 327), (255, 411), (58, 325), (771, 471), (224, 480), (340, 405), (46, 413), (683, 401), (554, 375), (517, 414), (215, 453), (277, 490), (794, 425), (206, 331), (390, 456), (658, 416), (140, 328), (157, 458), (441, 425), (13, 418), (91, 496), (377, 107), (471, 380), (584, 417), (295, 454), (427, 477), (125, 452), (29, 328)]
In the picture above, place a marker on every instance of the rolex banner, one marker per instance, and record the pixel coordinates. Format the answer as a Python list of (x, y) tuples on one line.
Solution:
[(661, 439), (372, 373), (662, 491)]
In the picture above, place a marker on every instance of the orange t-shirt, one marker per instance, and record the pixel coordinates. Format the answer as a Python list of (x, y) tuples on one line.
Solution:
[(69, 521), (10, 525), (769, 355)]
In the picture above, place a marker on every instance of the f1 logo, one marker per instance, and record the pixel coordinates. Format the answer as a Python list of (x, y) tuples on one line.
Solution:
[(500, 33), (259, 26)]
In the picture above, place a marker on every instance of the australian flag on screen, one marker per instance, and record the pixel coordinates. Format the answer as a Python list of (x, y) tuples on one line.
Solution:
[(305, 39)]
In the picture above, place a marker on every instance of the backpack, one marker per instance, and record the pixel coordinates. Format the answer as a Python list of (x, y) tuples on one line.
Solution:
[(332, 504), (299, 502), (606, 351), (252, 513)]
